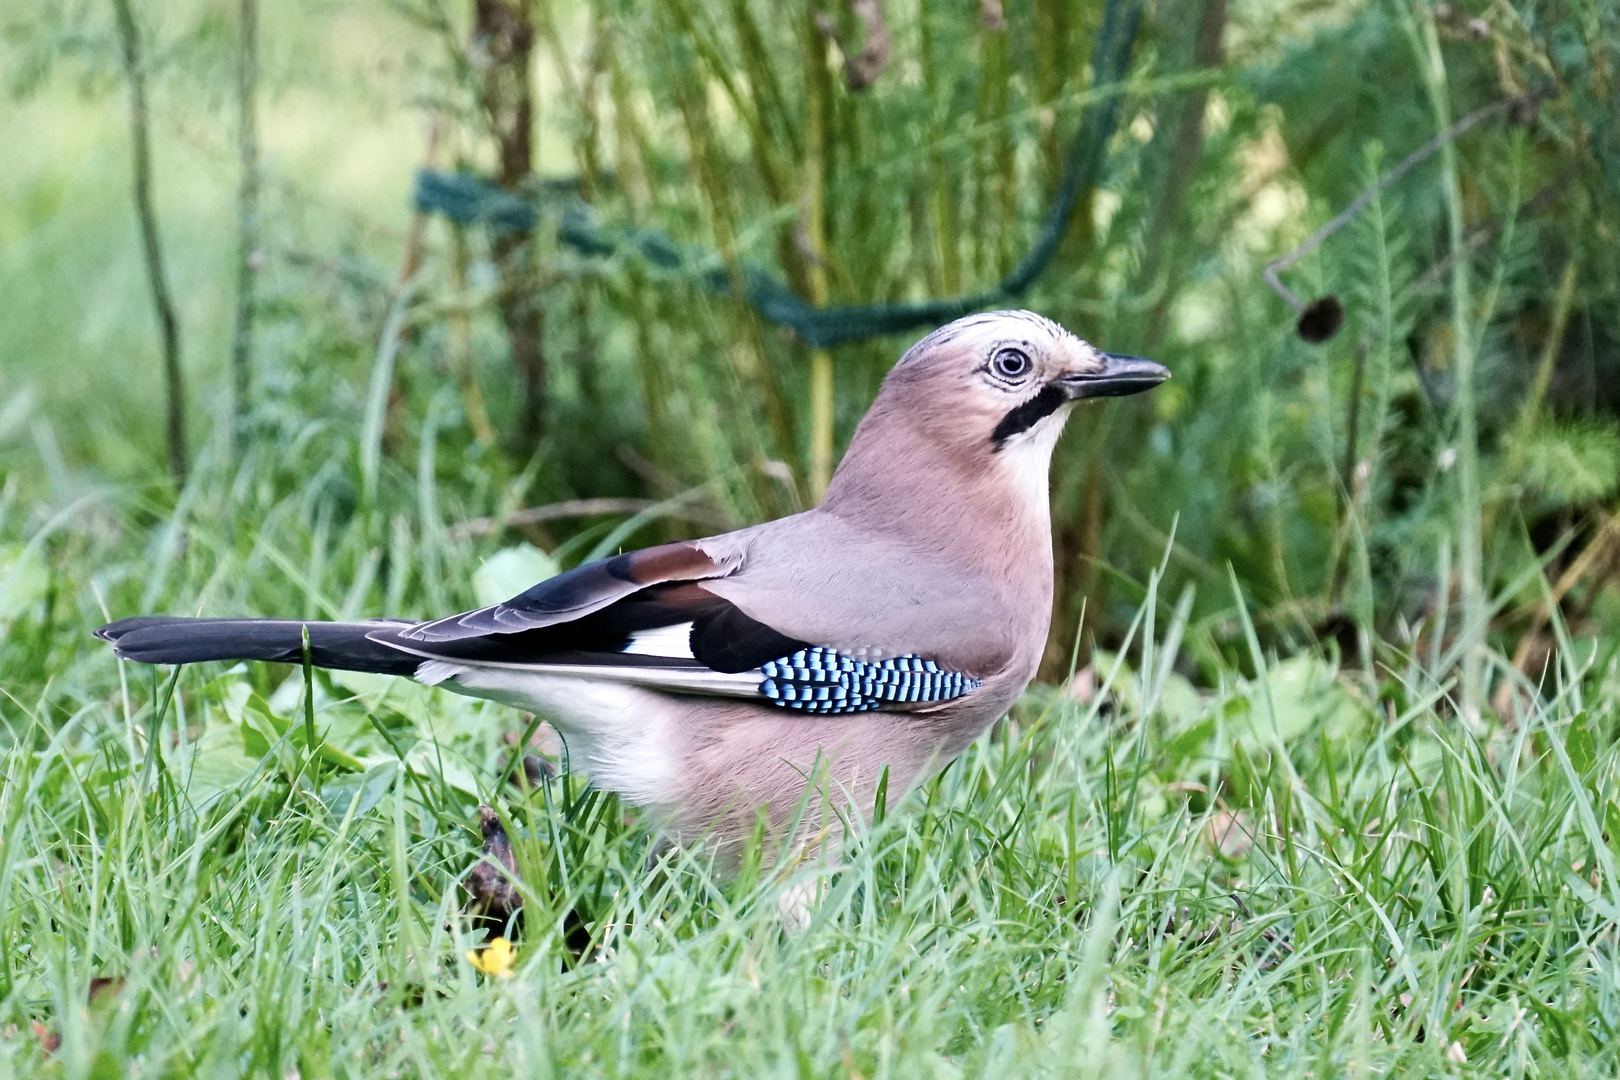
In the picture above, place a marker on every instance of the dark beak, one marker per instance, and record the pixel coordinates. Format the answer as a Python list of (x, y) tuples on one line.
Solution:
[(1120, 375)]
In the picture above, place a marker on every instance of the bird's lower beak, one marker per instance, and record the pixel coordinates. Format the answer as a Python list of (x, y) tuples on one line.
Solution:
[(1120, 375)]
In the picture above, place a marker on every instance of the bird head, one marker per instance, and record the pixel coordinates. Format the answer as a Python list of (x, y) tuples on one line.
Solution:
[(992, 392), (969, 418)]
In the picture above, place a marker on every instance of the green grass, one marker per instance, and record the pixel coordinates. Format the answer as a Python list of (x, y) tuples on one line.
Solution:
[(1416, 889), (1246, 854)]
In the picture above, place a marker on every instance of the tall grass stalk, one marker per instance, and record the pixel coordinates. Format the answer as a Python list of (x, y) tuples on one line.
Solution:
[(817, 109), (1419, 20)]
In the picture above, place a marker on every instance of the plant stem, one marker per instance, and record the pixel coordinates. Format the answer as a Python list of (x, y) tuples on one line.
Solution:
[(156, 274), (382, 381), (1186, 148), (711, 169), (458, 329), (1530, 412), (247, 219), (1469, 541), (1055, 24), (995, 197), (816, 102)]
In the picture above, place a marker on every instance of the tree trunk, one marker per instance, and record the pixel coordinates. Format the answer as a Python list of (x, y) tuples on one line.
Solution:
[(503, 38)]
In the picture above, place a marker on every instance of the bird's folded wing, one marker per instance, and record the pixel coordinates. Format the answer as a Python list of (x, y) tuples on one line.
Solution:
[(645, 618), (580, 592)]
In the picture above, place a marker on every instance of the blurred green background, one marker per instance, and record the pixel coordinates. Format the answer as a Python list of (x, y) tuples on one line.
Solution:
[(857, 155)]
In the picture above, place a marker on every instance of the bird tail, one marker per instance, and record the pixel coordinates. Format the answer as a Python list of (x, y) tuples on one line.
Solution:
[(162, 639)]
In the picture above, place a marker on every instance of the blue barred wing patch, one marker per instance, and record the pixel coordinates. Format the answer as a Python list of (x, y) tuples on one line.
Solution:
[(825, 681)]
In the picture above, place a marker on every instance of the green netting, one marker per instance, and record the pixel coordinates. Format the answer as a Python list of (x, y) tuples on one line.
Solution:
[(473, 200)]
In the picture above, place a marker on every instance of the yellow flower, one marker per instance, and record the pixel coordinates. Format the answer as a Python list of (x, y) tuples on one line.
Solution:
[(497, 958)]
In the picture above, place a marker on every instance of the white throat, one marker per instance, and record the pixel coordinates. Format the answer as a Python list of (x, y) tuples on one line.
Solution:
[(1027, 459)]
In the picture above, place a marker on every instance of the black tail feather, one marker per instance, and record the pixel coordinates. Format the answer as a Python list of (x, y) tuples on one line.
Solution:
[(162, 639)]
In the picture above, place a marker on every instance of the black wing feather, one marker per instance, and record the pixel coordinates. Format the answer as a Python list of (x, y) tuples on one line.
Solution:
[(162, 639), (586, 617), (723, 638)]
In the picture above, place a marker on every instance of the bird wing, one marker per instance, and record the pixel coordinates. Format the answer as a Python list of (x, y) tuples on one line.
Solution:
[(580, 592), (646, 617)]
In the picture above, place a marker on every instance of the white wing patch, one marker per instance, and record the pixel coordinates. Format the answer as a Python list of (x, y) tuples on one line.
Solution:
[(434, 672), (669, 641)]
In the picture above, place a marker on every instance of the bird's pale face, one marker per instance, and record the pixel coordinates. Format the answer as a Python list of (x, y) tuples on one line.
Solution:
[(1004, 383)]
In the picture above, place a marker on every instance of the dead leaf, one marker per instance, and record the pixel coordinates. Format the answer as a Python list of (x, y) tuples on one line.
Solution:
[(495, 899), (49, 1041), (1230, 833)]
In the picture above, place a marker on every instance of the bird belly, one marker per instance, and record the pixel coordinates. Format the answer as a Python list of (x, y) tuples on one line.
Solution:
[(706, 767), (619, 734)]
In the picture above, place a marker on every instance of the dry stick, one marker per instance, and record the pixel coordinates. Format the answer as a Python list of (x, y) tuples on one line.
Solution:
[(247, 219), (1407, 164), (1602, 547), (410, 256), (162, 304), (1485, 233), (1347, 475)]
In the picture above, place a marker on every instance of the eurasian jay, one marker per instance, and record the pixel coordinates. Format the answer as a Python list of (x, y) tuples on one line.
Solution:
[(706, 679)]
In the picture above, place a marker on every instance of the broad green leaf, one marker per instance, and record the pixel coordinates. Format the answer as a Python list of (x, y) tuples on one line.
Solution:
[(511, 571), (24, 577), (219, 761), (369, 786), (1580, 747), (1191, 741)]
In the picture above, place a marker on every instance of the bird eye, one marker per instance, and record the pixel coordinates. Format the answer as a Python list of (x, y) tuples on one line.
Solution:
[(1011, 364)]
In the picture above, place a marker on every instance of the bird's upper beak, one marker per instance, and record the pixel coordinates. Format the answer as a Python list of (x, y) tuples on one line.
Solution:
[(1120, 375)]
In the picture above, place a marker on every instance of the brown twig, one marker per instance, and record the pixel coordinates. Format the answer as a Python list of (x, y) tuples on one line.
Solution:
[(156, 274), (1485, 233), (1596, 554), (862, 68), (410, 255), (1347, 474), (1514, 105)]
